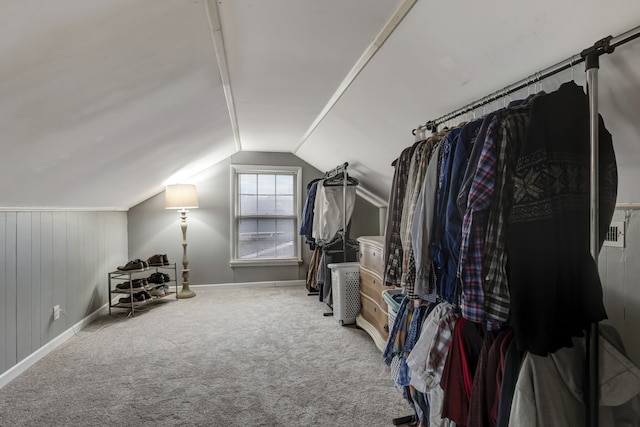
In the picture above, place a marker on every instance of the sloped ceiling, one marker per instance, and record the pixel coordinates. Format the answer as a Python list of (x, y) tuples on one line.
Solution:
[(104, 102)]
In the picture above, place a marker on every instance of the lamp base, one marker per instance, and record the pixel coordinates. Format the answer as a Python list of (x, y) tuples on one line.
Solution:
[(186, 293)]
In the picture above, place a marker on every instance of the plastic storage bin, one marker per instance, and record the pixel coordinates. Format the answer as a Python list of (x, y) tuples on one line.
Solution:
[(345, 288), (393, 298)]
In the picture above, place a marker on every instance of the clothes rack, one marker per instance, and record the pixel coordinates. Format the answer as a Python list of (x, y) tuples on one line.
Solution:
[(591, 57), (340, 171), (609, 43)]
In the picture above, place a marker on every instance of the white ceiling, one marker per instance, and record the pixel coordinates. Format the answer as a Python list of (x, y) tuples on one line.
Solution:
[(104, 102)]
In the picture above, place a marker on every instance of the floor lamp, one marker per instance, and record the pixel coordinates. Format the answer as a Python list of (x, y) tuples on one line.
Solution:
[(182, 197)]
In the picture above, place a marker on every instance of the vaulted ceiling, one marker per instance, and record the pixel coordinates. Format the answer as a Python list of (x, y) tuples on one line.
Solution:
[(104, 102)]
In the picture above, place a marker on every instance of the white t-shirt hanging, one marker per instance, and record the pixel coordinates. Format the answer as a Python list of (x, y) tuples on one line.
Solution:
[(328, 211)]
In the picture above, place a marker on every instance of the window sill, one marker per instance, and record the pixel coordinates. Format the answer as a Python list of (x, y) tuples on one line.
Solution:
[(265, 262)]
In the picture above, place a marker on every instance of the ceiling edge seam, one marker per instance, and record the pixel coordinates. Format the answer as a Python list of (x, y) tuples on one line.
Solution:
[(213, 17), (395, 19)]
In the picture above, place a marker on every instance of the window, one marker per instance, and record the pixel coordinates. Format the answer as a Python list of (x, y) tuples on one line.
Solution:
[(264, 215)]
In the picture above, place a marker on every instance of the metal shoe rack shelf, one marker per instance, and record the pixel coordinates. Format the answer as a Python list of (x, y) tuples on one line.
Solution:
[(118, 276)]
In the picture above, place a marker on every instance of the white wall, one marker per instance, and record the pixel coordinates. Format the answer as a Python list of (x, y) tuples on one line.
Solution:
[(620, 272), (53, 258)]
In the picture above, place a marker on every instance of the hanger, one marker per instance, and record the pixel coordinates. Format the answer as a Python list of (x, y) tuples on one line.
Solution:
[(338, 180)]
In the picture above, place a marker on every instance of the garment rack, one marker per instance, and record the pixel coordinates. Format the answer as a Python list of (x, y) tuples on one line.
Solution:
[(591, 57), (342, 169)]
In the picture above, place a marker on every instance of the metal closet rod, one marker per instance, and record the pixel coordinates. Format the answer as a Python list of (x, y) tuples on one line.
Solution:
[(608, 44)]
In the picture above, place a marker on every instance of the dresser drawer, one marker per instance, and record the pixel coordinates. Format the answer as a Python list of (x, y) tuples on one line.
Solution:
[(371, 286), (373, 314), (371, 258)]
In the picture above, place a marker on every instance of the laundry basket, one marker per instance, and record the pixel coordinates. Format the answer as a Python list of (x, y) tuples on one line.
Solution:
[(345, 289), (393, 298)]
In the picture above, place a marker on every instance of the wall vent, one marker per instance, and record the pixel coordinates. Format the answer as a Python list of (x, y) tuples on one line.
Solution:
[(615, 235)]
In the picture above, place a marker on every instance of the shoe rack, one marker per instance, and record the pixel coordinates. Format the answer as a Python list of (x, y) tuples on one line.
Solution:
[(119, 277)]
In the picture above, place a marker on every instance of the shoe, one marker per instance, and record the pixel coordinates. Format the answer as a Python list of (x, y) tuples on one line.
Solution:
[(137, 299), (135, 285), (159, 278), (144, 294), (156, 260), (134, 265), (165, 259), (156, 278), (158, 291)]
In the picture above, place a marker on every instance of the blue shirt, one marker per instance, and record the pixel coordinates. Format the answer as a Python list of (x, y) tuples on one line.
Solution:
[(307, 212)]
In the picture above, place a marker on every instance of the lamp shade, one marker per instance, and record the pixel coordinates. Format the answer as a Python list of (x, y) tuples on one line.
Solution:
[(180, 196)]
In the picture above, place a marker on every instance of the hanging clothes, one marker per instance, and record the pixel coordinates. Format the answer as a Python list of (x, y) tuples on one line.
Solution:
[(555, 286), (422, 229), (422, 156), (510, 370), (496, 229), (484, 296), (392, 242), (330, 210), (560, 401), (427, 358), (306, 225), (511, 133), (459, 370), (446, 288)]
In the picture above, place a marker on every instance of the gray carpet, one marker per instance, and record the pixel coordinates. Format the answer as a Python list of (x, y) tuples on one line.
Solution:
[(228, 357)]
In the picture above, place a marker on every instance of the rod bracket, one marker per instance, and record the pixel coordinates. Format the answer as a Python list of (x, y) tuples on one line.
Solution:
[(432, 126), (592, 54)]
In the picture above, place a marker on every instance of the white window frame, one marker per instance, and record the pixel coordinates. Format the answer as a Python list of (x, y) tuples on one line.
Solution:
[(297, 194)]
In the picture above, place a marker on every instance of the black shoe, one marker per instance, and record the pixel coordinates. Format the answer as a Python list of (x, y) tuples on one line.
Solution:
[(159, 278), (144, 295), (135, 285), (137, 299), (165, 259), (156, 278)]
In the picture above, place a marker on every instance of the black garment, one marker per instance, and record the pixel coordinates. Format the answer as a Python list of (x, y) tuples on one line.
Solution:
[(512, 361), (554, 282)]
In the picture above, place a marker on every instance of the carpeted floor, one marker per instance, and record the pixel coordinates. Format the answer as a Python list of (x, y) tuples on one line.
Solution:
[(228, 357)]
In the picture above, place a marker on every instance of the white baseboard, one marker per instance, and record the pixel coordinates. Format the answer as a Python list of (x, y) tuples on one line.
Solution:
[(31, 359), (251, 284)]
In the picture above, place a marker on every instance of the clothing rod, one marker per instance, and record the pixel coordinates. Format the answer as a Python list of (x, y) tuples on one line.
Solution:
[(625, 37), (533, 78)]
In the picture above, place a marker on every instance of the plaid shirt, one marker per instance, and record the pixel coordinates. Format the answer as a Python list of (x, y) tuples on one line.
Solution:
[(510, 135), (392, 242), (417, 164), (474, 225), (422, 226), (417, 171), (440, 347)]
